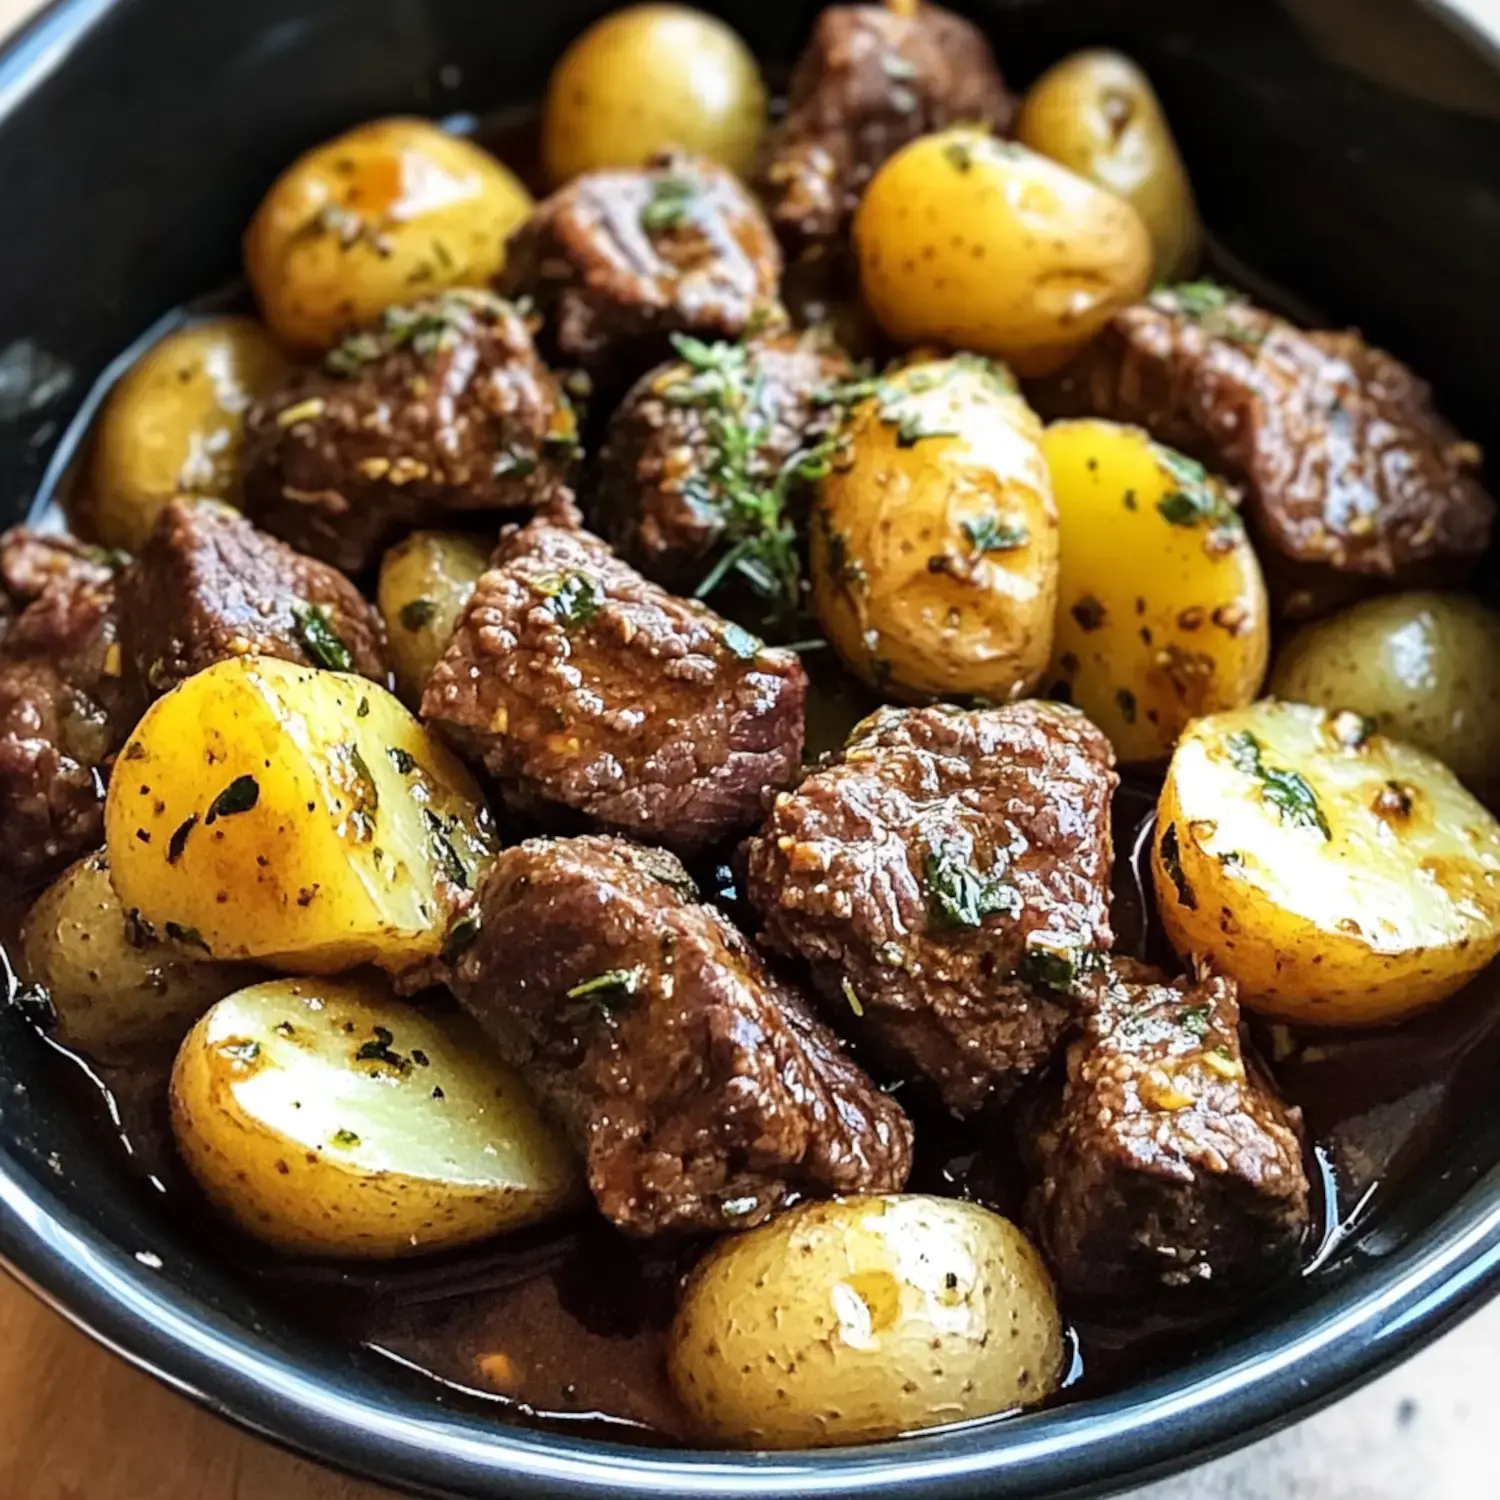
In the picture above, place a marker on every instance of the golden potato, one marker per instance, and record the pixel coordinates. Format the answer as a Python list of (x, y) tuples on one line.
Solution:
[(174, 424), (1424, 667), (934, 540), (117, 986), (863, 1318), (1161, 608), (330, 1119), (300, 818), (385, 213), (978, 243), (1096, 113), (648, 77), (425, 581), (1341, 878)]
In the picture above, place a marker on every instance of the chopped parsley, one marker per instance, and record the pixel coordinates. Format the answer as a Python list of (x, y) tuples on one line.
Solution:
[(993, 534), (960, 155), (606, 995), (573, 598), (380, 1049), (345, 1140), (958, 896), (670, 205), (1197, 499), (740, 642), (418, 614), (853, 999), (1287, 791), (319, 639), (403, 760), (238, 797), (1212, 307), (428, 327), (1059, 969), (1195, 1020), (241, 1052)]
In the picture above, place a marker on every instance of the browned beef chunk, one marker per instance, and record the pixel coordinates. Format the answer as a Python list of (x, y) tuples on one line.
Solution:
[(947, 879), (1169, 1163), (1344, 462), (441, 407), (616, 261), (870, 81), (700, 1089), (580, 685), (209, 585), (31, 560), (676, 458), (65, 709)]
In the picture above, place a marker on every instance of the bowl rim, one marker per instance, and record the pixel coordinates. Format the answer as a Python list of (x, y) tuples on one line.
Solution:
[(362, 1426)]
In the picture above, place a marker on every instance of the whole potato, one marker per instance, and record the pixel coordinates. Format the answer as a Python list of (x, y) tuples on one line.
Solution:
[(330, 1119), (1161, 608), (1097, 113), (979, 243), (934, 538), (117, 986), (386, 213), (1339, 877), (425, 581), (1424, 667), (863, 1318), (174, 425), (648, 77)]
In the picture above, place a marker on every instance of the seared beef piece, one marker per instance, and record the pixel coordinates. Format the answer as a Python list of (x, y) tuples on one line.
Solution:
[(616, 261), (580, 685), (1344, 462), (1168, 1163), (870, 81), (65, 709), (701, 1090), (441, 407), (671, 447), (947, 879), (31, 560), (209, 585)]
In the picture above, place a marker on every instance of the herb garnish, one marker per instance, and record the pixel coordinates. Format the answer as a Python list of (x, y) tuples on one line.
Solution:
[(573, 598), (178, 842), (958, 896), (461, 934), (992, 534), (605, 995), (1211, 307), (417, 614), (852, 998), (428, 327), (1197, 499), (378, 1049), (243, 1052), (740, 642), (1195, 1020), (319, 639), (345, 1139), (1286, 791), (1060, 968), (442, 846), (403, 760), (238, 797), (670, 204)]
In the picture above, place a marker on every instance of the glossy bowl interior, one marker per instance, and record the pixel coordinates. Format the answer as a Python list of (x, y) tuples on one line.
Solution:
[(135, 138)]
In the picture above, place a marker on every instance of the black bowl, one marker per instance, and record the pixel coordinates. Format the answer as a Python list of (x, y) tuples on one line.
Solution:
[(135, 138)]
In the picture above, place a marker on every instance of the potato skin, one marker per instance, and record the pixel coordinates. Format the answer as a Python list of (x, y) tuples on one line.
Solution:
[(347, 833), (387, 212), (981, 244), (330, 1119), (1097, 114), (933, 541), (425, 581), (861, 1318), (1390, 912), (174, 425), (1161, 607), (117, 988), (649, 77), (1425, 667)]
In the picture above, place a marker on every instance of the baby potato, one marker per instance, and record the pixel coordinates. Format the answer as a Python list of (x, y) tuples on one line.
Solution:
[(388, 212), (425, 581), (304, 819), (117, 987), (978, 243), (1096, 113), (1424, 667), (174, 425), (1161, 608), (648, 77), (863, 1318), (330, 1119), (933, 544), (1340, 877)]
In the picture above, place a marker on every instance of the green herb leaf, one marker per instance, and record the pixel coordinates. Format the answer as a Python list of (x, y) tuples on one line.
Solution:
[(1287, 791), (418, 614), (1061, 969), (403, 760), (852, 998), (242, 1052), (238, 797), (319, 639), (994, 534), (345, 1140), (605, 996), (670, 205), (379, 1049), (1195, 1020), (958, 896), (574, 598), (740, 642)]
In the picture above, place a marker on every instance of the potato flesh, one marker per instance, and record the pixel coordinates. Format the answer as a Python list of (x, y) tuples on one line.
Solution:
[(862, 1318), (425, 581), (338, 861), (911, 600), (1158, 622), (1391, 912), (329, 1118), (980, 244)]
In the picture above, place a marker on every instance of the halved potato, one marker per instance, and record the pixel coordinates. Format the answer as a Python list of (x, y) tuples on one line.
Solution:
[(862, 1318), (330, 1119), (305, 819), (1340, 877)]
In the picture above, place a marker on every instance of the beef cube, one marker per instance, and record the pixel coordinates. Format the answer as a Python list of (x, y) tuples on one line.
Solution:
[(31, 560), (442, 407), (870, 81), (581, 686), (209, 585), (1344, 462), (701, 1090), (1170, 1163), (946, 877), (617, 261)]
